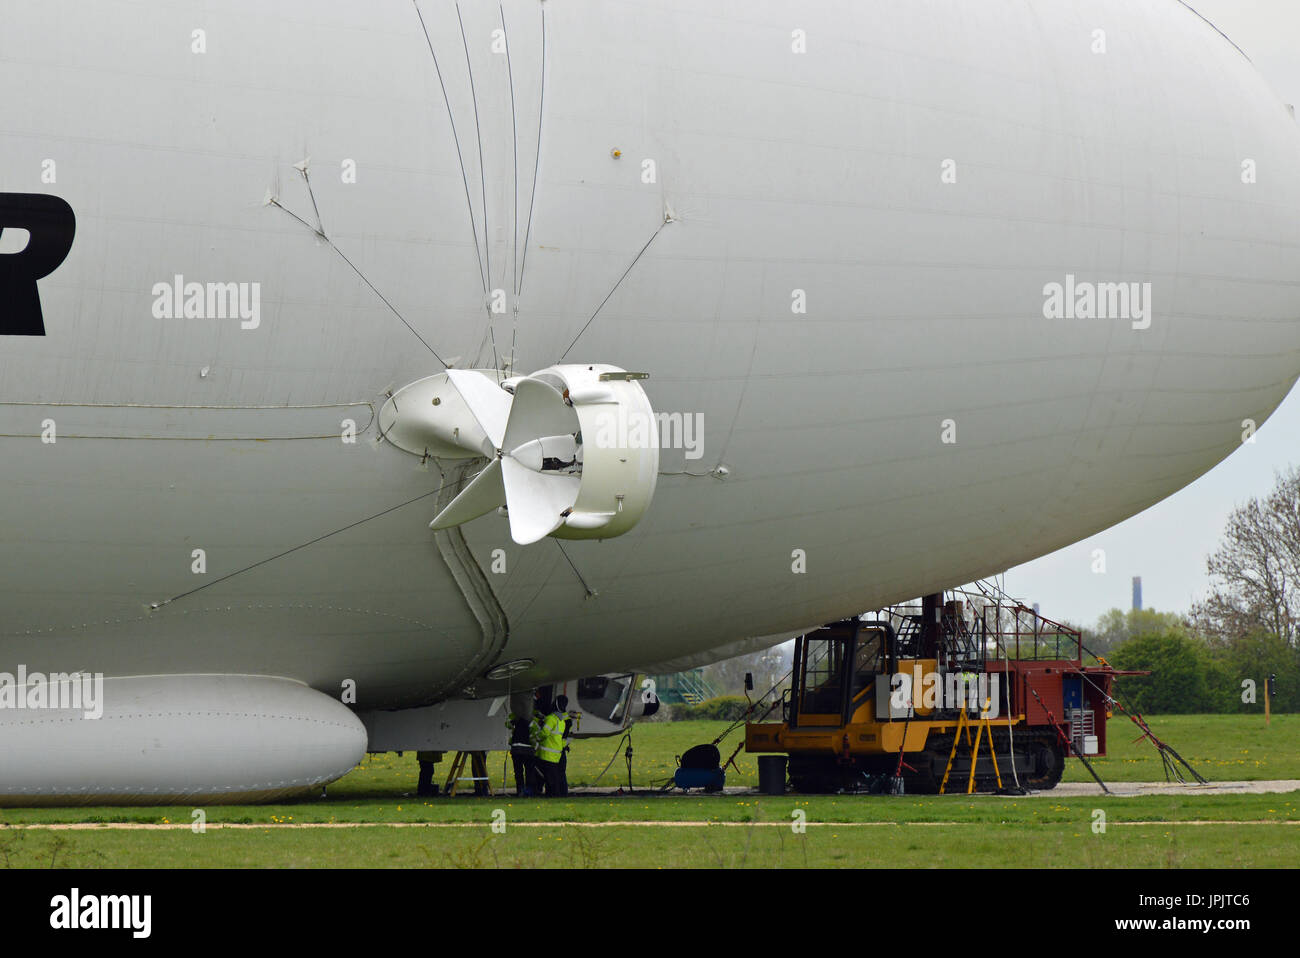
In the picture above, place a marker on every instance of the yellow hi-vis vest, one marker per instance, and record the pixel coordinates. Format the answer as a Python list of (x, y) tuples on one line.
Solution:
[(551, 745)]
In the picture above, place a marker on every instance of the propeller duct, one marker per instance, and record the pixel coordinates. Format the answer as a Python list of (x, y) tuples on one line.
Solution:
[(573, 450)]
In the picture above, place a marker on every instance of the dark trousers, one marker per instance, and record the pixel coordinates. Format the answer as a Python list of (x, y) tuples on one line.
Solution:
[(524, 774), (553, 776), (425, 785), (564, 773), (536, 782)]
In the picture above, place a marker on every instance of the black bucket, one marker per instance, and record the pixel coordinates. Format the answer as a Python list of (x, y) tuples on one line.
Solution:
[(771, 774)]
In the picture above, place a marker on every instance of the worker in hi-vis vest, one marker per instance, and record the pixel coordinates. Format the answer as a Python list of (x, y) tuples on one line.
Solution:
[(550, 747), (562, 703)]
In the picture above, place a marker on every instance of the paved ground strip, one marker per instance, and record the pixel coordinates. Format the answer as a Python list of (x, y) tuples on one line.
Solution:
[(245, 826)]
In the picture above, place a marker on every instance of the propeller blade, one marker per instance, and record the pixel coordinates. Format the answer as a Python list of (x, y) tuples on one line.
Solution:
[(484, 493), (536, 500), (487, 403), (538, 410)]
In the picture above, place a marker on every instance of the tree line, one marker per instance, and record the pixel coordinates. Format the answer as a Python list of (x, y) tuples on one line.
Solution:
[(1217, 657)]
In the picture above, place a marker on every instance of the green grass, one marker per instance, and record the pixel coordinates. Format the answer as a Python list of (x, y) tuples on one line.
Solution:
[(907, 830), (1220, 747), (1224, 748), (892, 845), (646, 806)]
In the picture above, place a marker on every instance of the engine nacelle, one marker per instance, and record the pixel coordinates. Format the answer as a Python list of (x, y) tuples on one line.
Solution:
[(618, 454), (573, 450)]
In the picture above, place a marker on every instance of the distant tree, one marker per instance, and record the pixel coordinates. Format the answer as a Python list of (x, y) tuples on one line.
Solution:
[(1255, 572), (1184, 678), (1119, 625), (768, 666), (728, 708), (1254, 657)]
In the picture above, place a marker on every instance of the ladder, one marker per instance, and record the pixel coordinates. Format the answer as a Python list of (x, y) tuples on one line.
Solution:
[(478, 772), (963, 725)]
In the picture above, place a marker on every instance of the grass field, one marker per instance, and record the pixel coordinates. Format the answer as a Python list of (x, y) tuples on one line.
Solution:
[(650, 829), (1220, 747)]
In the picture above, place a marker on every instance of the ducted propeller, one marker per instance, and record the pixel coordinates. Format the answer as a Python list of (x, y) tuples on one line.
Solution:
[(559, 457), (534, 469)]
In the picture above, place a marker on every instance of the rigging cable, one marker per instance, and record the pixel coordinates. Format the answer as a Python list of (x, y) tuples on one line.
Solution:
[(514, 229), (482, 180), (319, 231), (537, 162), (230, 575), (635, 260), (473, 223)]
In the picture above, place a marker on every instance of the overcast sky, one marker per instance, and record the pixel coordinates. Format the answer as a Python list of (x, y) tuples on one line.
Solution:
[(1167, 545)]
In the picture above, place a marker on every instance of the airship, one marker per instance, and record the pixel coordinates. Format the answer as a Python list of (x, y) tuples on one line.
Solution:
[(364, 367)]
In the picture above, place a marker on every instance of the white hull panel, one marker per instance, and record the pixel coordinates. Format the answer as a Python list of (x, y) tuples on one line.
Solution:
[(782, 172)]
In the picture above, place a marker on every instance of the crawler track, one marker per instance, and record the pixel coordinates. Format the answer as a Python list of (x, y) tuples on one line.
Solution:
[(1040, 762)]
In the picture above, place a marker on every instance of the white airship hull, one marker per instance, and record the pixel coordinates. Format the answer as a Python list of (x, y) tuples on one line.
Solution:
[(839, 260)]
